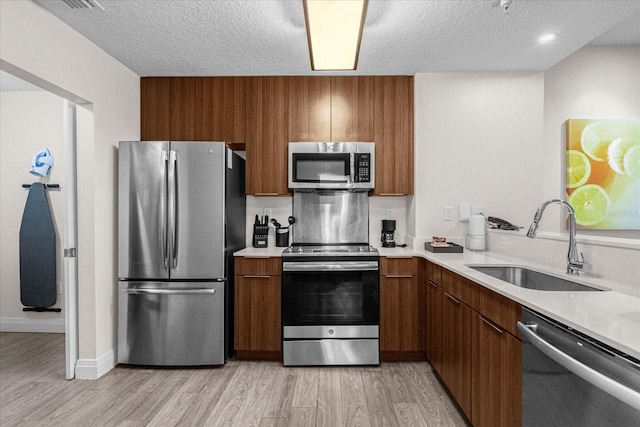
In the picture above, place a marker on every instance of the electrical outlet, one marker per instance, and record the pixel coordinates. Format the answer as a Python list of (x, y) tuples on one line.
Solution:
[(389, 213), (59, 288), (448, 213), (477, 210), (504, 241)]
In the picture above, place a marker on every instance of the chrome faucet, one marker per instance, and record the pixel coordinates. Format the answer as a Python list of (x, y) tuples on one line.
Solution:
[(574, 264)]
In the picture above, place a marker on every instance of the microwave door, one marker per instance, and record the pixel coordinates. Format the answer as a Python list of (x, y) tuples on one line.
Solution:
[(333, 168)]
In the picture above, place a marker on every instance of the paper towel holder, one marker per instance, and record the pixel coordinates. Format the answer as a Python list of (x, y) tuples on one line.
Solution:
[(475, 239)]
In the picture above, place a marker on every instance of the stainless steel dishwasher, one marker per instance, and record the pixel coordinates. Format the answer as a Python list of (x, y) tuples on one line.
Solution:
[(570, 379)]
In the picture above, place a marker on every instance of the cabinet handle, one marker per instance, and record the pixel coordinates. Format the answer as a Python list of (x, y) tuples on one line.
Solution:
[(398, 276), (265, 194), (455, 300), (257, 277), (257, 256), (390, 194), (433, 284), (491, 324)]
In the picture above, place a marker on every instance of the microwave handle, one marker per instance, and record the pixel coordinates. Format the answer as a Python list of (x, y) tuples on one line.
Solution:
[(352, 169)]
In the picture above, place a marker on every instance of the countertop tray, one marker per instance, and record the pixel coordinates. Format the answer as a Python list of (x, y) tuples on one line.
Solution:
[(452, 248)]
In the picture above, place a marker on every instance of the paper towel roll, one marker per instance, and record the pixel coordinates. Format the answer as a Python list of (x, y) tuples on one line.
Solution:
[(476, 233)]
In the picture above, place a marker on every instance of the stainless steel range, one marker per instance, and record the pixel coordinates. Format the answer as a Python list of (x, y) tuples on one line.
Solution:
[(330, 305), (330, 283)]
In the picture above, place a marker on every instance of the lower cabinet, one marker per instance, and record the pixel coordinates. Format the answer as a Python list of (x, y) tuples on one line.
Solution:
[(258, 324), (456, 357), (471, 343), (400, 332), (496, 380)]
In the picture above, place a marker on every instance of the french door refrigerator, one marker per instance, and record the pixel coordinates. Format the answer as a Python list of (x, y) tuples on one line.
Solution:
[(181, 215)]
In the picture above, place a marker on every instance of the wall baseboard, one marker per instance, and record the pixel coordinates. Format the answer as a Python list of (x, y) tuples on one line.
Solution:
[(92, 369), (18, 324)]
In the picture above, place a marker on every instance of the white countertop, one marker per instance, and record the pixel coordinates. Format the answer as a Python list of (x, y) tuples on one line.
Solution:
[(608, 316)]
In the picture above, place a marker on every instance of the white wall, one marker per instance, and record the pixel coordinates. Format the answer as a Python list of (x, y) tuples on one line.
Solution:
[(478, 140), (41, 49), (495, 140), (29, 121)]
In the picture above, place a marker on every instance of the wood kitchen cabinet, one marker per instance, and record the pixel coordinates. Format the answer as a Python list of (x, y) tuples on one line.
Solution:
[(400, 333), (352, 108), (456, 351), (393, 135), (473, 344), (433, 318), (267, 135), (220, 110), (257, 320), (167, 108), (496, 380), (309, 108)]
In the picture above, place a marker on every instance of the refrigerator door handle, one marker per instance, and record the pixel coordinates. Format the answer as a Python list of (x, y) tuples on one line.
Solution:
[(172, 208), (163, 211), (170, 291)]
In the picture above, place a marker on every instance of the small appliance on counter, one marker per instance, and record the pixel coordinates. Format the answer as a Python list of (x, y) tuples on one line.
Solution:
[(388, 229), (476, 238)]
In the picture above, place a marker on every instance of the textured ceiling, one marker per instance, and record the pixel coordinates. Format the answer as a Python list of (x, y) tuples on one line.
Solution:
[(268, 37)]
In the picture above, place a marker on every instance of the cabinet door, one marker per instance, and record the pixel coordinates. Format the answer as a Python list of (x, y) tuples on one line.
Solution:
[(220, 109), (496, 362), (167, 108), (258, 313), (155, 116), (399, 314), (352, 108), (433, 329), (456, 358), (309, 108), (267, 135), (393, 135)]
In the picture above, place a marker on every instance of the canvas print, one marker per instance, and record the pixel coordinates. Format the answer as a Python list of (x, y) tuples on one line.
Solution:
[(603, 172)]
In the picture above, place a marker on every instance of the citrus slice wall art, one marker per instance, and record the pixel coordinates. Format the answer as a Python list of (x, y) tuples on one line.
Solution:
[(603, 172)]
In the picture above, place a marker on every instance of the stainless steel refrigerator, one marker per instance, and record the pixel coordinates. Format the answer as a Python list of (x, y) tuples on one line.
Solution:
[(181, 215)]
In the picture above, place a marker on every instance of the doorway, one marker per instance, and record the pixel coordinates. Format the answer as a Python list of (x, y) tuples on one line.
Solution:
[(30, 108)]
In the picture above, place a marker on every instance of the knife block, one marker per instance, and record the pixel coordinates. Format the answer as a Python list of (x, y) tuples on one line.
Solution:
[(260, 236)]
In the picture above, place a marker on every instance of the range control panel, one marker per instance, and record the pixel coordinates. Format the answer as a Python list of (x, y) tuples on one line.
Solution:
[(363, 167)]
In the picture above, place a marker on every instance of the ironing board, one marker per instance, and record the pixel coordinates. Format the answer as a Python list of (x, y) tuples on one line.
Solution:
[(37, 252)]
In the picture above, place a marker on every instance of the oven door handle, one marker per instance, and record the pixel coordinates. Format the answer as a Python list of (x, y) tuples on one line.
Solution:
[(604, 383), (330, 266)]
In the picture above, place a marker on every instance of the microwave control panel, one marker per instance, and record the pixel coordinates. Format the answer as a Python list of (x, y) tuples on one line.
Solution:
[(363, 167)]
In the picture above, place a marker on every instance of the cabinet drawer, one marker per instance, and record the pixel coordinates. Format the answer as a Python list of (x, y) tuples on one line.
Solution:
[(258, 266), (434, 273), (406, 266), (499, 309)]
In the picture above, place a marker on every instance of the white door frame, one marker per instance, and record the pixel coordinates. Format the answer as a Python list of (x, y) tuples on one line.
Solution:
[(70, 240)]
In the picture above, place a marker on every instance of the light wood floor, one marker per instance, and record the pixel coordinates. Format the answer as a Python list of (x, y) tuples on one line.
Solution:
[(33, 391)]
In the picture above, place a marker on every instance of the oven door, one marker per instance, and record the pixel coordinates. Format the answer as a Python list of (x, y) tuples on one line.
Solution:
[(326, 293)]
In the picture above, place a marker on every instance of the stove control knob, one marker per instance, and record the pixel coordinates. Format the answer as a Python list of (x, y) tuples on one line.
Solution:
[(300, 250), (331, 331), (361, 249)]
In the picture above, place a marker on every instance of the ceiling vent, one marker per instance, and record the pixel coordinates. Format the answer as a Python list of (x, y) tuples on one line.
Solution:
[(83, 4)]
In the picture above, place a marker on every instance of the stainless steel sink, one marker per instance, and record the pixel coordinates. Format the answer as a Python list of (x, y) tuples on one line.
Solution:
[(530, 279)]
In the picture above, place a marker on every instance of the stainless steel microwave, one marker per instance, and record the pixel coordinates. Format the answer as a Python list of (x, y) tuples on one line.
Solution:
[(332, 166)]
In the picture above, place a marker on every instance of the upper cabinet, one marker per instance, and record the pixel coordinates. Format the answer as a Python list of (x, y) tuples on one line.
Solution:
[(262, 114), (267, 135), (167, 108), (309, 109), (393, 135), (220, 110)]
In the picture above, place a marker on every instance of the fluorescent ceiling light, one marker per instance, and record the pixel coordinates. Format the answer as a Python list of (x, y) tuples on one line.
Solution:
[(547, 38), (334, 31)]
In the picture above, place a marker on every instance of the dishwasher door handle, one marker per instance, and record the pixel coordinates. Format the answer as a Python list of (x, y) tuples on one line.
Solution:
[(595, 378), (170, 291)]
